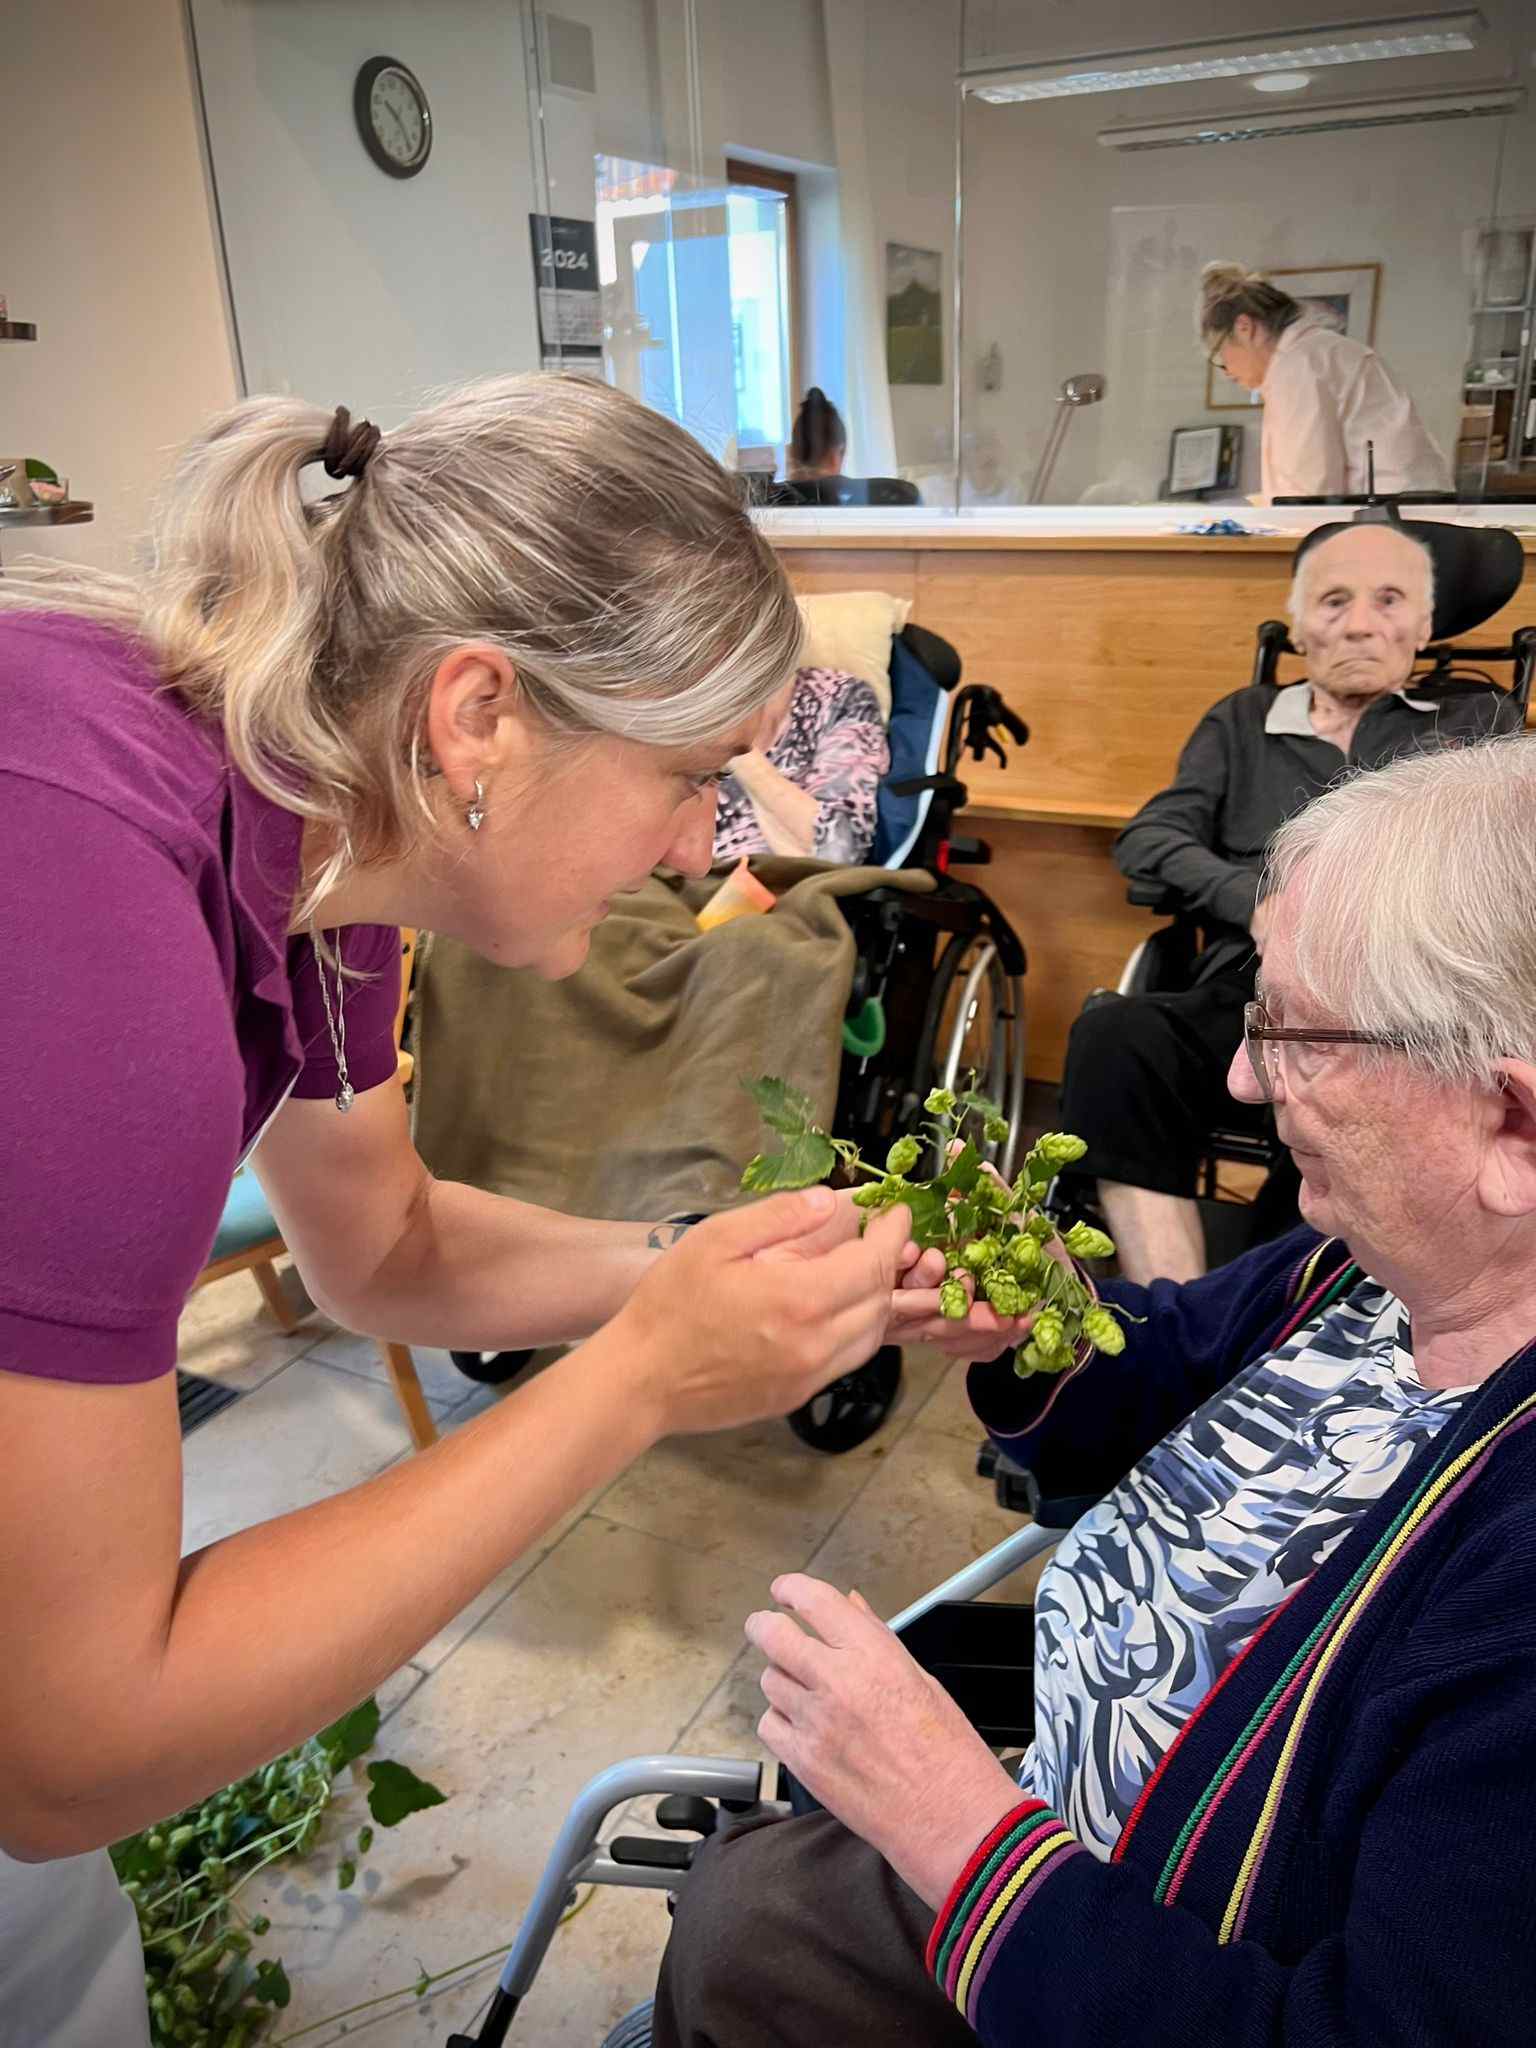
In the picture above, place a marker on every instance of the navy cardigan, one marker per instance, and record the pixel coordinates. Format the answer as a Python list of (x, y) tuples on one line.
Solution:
[(1338, 1848)]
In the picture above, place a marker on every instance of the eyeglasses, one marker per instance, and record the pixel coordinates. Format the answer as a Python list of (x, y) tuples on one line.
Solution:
[(1262, 1040)]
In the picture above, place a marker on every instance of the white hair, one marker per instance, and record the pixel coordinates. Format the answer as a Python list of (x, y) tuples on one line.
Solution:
[(1416, 904), (1305, 563)]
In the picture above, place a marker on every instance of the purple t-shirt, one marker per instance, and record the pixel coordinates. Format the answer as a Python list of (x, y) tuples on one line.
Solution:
[(155, 1010)]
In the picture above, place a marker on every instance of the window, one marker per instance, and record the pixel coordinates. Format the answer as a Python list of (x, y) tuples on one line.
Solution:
[(699, 300)]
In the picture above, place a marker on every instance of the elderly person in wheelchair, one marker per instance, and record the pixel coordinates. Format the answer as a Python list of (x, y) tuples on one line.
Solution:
[(1145, 1073), (1285, 1670)]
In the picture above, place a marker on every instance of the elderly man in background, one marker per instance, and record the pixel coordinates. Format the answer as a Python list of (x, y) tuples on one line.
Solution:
[(1284, 1756), (1145, 1074)]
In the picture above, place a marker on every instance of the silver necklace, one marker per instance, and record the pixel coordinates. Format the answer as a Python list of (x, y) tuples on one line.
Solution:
[(337, 1022)]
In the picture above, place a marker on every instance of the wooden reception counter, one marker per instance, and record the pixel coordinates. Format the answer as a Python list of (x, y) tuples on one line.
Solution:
[(1110, 644)]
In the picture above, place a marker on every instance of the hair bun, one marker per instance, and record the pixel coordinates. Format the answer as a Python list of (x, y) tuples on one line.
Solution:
[(1218, 279)]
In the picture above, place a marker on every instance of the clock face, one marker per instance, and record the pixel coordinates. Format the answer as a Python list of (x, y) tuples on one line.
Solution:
[(393, 117)]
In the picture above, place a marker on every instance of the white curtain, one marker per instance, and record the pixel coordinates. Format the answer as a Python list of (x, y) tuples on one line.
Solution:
[(863, 395)]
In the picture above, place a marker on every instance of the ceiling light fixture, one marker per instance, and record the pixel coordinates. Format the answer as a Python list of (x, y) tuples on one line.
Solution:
[(1361, 42), (1282, 81), (1252, 125)]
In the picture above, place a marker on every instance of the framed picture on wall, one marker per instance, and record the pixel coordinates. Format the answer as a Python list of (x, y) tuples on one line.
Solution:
[(1343, 294), (914, 315)]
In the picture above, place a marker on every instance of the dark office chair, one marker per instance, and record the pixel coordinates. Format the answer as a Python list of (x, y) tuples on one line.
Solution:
[(859, 491)]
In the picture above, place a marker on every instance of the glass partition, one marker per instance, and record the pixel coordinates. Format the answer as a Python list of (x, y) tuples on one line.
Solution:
[(1384, 178)]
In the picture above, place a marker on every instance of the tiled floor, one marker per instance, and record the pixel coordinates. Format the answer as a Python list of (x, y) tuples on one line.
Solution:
[(620, 1633)]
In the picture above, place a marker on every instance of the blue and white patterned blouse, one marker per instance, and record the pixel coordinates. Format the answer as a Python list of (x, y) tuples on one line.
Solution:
[(1157, 1589)]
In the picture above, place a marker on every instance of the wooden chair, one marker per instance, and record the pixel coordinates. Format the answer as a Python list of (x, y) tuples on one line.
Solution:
[(249, 1240)]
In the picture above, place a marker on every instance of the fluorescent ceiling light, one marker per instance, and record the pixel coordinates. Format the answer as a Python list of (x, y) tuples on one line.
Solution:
[(1361, 42), (1254, 125), (1282, 81)]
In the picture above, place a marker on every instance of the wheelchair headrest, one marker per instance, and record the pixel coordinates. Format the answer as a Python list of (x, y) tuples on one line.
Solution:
[(936, 654), (1478, 569)]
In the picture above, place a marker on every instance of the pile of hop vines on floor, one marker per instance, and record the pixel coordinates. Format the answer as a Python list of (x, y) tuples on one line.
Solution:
[(206, 1986), (1000, 1243)]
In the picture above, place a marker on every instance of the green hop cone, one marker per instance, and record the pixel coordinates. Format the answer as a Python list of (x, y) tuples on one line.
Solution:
[(1058, 1149), (995, 1130), (872, 1195), (954, 1302), (979, 1254), (903, 1155), (1102, 1329), (939, 1101), (1027, 1360), (1025, 1256), (1050, 1336), (1004, 1293), (1041, 1228), (1084, 1242)]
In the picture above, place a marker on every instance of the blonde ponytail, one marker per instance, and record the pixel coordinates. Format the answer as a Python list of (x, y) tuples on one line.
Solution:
[(596, 543)]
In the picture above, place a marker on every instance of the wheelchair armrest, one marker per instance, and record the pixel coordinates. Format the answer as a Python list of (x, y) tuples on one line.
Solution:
[(1152, 896)]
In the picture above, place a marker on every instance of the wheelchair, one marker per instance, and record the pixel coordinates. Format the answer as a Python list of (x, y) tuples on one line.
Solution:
[(1478, 570), (980, 1651), (938, 982)]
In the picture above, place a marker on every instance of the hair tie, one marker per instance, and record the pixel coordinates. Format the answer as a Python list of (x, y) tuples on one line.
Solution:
[(348, 449)]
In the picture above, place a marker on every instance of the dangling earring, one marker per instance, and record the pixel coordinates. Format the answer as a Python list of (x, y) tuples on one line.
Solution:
[(474, 817)]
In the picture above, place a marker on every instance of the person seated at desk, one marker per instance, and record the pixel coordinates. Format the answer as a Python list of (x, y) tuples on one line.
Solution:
[(1325, 394), (1284, 1755), (1144, 1073), (812, 790), (818, 441)]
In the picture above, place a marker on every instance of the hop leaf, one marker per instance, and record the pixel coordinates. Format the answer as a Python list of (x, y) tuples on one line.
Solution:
[(789, 1111), (344, 1741), (1102, 1329), (346, 1876), (903, 1155), (954, 1302), (1027, 1360), (1084, 1242), (939, 1101), (805, 1160), (995, 1130), (394, 1792)]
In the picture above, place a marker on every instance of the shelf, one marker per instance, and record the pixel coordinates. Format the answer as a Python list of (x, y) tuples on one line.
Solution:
[(74, 512), (18, 330)]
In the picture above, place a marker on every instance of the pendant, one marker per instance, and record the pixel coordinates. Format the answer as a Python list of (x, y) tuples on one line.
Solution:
[(344, 1097)]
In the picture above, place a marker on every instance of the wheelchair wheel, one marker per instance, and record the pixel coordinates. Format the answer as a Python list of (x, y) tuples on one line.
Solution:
[(848, 1413), (634, 2030), (976, 1026), (490, 1368)]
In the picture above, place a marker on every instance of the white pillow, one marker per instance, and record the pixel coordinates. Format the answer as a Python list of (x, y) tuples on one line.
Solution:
[(853, 630)]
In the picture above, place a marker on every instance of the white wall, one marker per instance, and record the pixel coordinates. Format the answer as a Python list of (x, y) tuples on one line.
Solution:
[(351, 287), (107, 244)]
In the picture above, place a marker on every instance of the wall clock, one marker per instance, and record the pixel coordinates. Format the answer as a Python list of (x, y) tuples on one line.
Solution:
[(393, 116)]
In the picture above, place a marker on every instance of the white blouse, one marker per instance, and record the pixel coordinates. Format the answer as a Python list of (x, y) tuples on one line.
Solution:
[(1325, 396)]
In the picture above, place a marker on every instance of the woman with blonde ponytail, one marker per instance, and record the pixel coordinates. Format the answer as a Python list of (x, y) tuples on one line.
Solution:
[(1327, 398), (487, 681)]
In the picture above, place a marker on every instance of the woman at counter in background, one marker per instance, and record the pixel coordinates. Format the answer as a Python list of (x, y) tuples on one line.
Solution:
[(1325, 394), (818, 441)]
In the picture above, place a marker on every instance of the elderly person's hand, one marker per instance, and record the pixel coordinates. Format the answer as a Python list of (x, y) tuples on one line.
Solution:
[(878, 1742), (915, 1317)]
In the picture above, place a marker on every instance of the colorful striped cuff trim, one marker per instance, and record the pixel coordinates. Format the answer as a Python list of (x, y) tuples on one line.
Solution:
[(990, 1894)]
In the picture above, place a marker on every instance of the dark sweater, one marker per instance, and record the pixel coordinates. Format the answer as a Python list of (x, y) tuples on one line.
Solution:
[(1203, 838), (1336, 1851)]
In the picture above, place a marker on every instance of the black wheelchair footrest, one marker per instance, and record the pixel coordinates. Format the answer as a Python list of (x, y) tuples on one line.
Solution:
[(983, 1654)]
